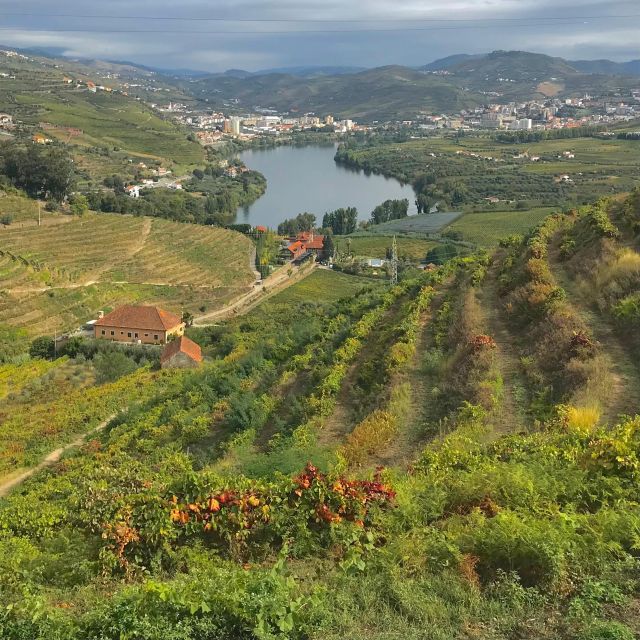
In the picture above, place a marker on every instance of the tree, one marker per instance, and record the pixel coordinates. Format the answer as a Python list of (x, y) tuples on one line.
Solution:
[(390, 210), (329, 247), (43, 347), (341, 221), (187, 318), (78, 204), (293, 226), (441, 253)]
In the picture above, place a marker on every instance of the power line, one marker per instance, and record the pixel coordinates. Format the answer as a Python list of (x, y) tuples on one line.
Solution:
[(315, 20), (257, 32)]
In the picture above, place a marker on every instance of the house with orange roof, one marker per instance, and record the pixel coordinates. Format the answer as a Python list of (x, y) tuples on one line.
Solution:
[(305, 244), (181, 353), (143, 324)]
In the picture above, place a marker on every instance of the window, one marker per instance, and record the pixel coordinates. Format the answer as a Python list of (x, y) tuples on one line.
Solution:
[(113, 333), (129, 334), (155, 337), (146, 335), (135, 335), (103, 332)]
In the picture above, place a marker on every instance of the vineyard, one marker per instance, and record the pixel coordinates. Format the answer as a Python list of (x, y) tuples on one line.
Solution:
[(455, 456), (57, 277), (487, 229)]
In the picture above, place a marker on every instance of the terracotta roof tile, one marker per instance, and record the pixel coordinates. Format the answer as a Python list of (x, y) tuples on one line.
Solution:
[(139, 317), (182, 345)]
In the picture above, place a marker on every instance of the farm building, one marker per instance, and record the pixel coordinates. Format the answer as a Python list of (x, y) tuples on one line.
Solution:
[(181, 353), (306, 243), (148, 325)]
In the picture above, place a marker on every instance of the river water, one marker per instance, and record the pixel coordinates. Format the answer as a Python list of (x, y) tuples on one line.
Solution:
[(306, 179)]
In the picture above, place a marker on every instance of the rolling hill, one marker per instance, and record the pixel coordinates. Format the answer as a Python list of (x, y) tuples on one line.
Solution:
[(40, 91), (521, 74), (382, 93)]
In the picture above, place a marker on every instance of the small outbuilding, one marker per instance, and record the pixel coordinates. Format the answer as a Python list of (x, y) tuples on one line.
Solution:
[(181, 353)]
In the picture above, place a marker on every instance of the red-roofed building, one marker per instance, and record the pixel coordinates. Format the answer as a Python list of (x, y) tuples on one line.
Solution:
[(148, 325), (181, 353), (306, 242)]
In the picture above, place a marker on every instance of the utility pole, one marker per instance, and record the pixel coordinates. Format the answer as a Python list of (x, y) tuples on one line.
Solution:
[(394, 262), (39, 217)]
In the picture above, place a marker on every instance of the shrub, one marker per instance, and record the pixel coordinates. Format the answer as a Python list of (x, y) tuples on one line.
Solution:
[(606, 630), (42, 347)]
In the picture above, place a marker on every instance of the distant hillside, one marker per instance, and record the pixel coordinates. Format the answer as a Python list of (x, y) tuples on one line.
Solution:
[(36, 94), (608, 67), (442, 64), (382, 93), (523, 75)]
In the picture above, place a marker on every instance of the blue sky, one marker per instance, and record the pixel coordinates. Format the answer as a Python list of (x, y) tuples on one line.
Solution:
[(332, 32)]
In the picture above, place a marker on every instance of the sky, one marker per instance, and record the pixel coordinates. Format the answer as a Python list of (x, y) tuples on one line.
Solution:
[(198, 34)]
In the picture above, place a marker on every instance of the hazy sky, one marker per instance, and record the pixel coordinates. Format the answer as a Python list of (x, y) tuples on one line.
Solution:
[(329, 32)]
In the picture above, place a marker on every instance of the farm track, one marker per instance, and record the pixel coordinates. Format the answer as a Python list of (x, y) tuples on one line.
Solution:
[(624, 393), (277, 282), (511, 414), (342, 420), (14, 481)]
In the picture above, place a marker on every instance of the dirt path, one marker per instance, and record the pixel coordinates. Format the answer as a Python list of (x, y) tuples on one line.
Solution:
[(8, 485), (511, 414), (275, 283), (623, 396), (411, 435)]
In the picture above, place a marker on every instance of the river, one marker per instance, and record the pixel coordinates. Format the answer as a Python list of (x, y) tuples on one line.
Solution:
[(303, 179)]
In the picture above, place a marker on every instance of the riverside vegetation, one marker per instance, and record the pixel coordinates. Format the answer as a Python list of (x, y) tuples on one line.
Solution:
[(452, 457)]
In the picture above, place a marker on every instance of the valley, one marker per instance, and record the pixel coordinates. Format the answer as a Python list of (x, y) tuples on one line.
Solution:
[(275, 376)]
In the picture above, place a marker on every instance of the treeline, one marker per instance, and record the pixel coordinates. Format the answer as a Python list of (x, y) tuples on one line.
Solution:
[(451, 180), (210, 198), (390, 210), (516, 137), (341, 221), (42, 171), (179, 206), (629, 135)]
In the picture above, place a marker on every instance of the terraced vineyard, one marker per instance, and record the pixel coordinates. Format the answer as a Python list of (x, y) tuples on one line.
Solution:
[(56, 277), (244, 499)]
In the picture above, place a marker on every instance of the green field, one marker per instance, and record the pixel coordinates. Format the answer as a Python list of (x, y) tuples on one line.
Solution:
[(58, 276), (479, 167), (424, 223), (323, 285), (486, 229), (375, 246)]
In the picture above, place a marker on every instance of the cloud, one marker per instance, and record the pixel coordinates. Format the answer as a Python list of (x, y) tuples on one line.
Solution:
[(457, 26)]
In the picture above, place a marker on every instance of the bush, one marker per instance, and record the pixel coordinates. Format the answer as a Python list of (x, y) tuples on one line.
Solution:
[(606, 630), (42, 347), (111, 366)]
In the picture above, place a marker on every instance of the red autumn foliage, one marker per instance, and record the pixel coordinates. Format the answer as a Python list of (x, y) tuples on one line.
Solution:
[(482, 341)]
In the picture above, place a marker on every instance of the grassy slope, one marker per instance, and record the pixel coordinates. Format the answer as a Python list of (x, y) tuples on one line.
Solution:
[(375, 246), (485, 229)]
